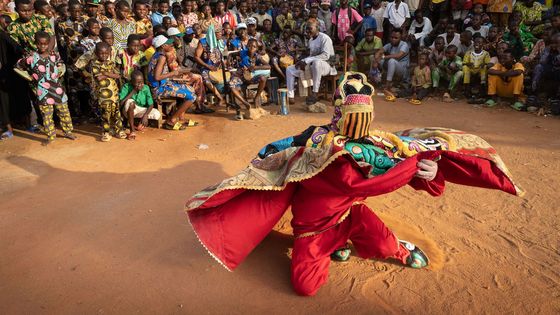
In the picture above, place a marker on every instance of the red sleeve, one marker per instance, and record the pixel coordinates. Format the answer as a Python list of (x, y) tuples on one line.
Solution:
[(434, 187)]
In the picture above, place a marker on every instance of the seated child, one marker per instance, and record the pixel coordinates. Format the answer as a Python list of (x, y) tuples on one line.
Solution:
[(105, 74), (475, 62), (438, 52), (448, 69), (478, 9), (136, 98), (421, 80), (46, 71), (505, 79), (366, 48), (466, 43), (132, 58), (492, 40), (477, 27)]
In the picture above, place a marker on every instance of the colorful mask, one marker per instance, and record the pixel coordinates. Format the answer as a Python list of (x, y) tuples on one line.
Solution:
[(353, 111)]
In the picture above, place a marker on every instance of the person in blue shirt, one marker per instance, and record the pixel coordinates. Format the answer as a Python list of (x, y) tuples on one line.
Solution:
[(255, 69), (162, 11), (367, 23)]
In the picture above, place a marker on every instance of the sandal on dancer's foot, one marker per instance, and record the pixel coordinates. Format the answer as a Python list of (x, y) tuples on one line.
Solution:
[(341, 254), (417, 258), (177, 126), (7, 135), (131, 136)]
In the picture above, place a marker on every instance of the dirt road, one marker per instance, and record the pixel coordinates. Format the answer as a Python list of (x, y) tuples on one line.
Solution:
[(91, 227)]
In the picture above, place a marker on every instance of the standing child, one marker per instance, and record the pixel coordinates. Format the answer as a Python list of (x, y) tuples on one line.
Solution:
[(137, 100), (88, 43), (132, 58), (105, 76), (450, 70), (45, 69), (475, 62), (421, 80)]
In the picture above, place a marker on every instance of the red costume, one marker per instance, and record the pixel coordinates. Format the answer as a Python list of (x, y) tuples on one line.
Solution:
[(324, 174)]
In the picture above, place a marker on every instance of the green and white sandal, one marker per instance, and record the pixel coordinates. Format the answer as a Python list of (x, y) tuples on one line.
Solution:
[(417, 258), (341, 254)]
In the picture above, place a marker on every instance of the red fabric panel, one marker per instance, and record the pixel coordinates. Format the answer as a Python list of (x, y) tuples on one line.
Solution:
[(233, 229)]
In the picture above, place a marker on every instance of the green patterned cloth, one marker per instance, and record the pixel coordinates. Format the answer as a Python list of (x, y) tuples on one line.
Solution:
[(24, 33)]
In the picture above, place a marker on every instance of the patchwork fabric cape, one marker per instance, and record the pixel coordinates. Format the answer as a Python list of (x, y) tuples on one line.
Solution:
[(231, 218)]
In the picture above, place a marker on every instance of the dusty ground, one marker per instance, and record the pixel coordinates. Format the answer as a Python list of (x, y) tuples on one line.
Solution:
[(90, 227)]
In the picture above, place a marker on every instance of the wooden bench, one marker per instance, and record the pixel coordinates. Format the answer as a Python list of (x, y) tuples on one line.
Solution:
[(164, 106)]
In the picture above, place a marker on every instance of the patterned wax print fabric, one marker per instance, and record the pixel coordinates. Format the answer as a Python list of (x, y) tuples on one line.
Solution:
[(205, 24), (47, 78), (24, 33), (130, 63), (143, 26), (88, 44), (69, 37), (531, 14), (167, 87), (107, 89), (121, 31), (190, 19)]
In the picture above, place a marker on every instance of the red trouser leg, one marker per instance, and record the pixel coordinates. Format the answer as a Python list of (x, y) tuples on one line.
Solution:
[(311, 255)]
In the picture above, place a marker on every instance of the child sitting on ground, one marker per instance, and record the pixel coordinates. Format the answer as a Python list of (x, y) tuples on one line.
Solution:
[(46, 70), (438, 52), (104, 79), (137, 100), (421, 80), (475, 62), (450, 70)]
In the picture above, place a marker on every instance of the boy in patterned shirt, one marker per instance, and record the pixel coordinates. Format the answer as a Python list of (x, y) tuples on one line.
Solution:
[(23, 29), (475, 62), (105, 74), (143, 22), (46, 71)]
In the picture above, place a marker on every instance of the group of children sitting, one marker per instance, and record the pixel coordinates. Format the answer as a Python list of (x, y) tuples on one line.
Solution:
[(92, 58)]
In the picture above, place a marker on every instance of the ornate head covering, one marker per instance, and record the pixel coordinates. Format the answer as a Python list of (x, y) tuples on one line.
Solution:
[(353, 112)]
